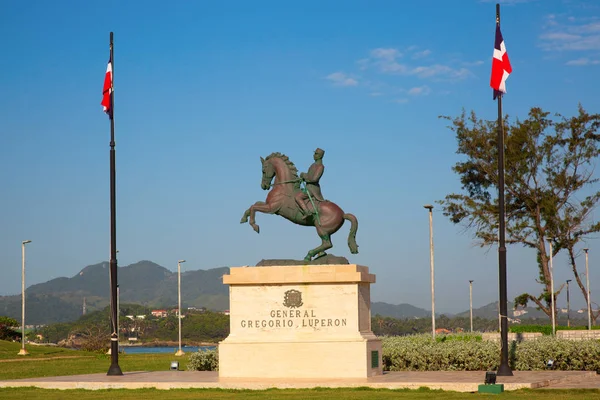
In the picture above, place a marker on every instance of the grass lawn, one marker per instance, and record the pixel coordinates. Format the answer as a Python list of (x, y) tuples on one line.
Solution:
[(52, 361), (287, 394), (9, 350)]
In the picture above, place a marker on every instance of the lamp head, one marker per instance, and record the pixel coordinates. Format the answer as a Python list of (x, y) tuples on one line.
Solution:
[(26, 241), (181, 261), (471, 281), (585, 249), (428, 206), (568, 280)]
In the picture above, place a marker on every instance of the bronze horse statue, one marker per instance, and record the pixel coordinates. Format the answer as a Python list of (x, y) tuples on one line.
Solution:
[(328, 217)]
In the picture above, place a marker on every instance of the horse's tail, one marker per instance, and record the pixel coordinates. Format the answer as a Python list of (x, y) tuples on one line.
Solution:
[(352, 235)]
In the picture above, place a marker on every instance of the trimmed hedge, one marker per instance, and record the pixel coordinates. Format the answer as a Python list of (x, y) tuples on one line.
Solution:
[(422, 353), (461, 337), (545, 329), (568, 355), (464, 352)]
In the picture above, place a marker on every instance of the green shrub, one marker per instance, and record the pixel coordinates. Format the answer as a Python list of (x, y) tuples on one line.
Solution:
[(6, 328), (461, 337), (463, 352), (575, 328), (543, 329), (203, 360), (423, 353), (568, 355)]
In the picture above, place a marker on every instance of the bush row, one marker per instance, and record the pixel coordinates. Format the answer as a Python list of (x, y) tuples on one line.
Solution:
[(461, 337), (422, 353), (545, 329), (463, 353)]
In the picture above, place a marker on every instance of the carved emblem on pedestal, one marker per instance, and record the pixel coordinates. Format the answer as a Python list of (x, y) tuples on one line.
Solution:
[(292, 298)]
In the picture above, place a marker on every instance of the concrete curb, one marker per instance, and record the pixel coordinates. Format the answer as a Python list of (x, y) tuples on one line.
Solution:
[(444, 380)]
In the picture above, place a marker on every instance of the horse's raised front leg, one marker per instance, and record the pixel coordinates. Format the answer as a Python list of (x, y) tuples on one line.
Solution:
[(260, 206), (245, 216), (325, 245), (248, 211)]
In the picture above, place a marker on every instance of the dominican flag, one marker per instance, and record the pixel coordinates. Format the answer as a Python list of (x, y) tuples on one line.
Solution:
[(501, 68), (107, 90)]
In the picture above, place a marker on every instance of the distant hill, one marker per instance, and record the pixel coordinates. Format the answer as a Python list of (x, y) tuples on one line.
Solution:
[(490, 311), (146, 283), (153, 286), (398, 311)]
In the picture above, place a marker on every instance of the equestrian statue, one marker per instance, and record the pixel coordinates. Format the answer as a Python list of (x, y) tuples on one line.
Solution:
[(299, 199)]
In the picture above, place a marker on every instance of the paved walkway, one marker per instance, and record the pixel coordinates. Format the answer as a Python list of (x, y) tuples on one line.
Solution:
[(591, 383), (457, 381)]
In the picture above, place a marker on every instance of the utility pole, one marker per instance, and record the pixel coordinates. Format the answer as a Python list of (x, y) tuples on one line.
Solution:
[(587, 279), (552, 293), (430, 208), (179, 352), (23, 351), (568, 305), (471, 302)]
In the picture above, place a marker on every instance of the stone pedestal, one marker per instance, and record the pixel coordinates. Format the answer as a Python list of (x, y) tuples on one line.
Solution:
[(310, 321)]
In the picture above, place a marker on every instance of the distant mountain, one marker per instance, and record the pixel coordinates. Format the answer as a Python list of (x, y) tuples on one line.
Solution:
[(398, 311), (146, 283), (490, 311), (151, 285)]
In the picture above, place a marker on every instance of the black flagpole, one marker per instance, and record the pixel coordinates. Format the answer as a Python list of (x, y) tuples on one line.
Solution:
[(114, 336), (504, 369)]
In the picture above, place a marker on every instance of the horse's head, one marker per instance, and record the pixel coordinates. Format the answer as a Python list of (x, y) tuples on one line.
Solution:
[(278, 166), (268, 172)]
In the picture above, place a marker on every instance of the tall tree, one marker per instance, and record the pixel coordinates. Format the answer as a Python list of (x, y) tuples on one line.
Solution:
[(549, 177)]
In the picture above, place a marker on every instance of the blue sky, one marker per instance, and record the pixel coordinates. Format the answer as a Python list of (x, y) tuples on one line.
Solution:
[(203, 89)]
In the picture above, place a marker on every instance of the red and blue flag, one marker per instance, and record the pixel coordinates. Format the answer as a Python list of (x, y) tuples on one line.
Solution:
[(501, 68)]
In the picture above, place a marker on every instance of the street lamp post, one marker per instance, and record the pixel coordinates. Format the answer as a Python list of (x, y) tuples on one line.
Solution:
[(471, 302), (568, 305), (179, 352), (587, 279), (23, 352), (552, 293), (118, 315), (430, 208)]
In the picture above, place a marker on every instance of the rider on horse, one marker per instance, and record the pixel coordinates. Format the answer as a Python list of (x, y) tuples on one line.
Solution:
[(313, 189), (285, 199)]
